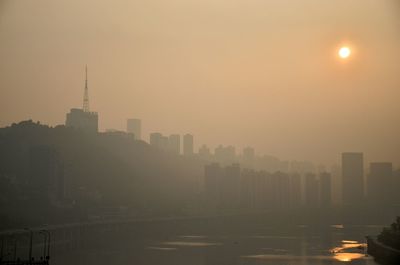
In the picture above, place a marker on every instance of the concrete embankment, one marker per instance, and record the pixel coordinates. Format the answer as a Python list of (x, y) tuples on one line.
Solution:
[(381, 252)]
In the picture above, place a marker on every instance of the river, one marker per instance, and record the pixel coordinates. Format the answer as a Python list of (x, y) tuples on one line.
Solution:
[(263, 244)]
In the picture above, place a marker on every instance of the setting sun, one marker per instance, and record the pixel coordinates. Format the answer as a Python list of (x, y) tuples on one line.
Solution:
[(344, 52), (199, 132)]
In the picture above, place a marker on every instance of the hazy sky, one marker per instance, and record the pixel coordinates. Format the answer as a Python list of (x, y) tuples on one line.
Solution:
[(245, 72)]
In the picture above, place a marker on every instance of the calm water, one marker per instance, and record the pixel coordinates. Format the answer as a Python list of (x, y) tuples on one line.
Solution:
[(291, 245)]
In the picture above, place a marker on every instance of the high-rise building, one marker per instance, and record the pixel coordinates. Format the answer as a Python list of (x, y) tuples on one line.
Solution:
[(160, 141), (116, 134), (230, 186), (204, 152), (174, 143), (352, 178), (225, 155), (301, 167), (311, 191), (219, 154), (380, 183), (188, 145), (261, 189), (396, 184), (248, 153), (83, 119), (248, 157), (325, 189), (155, 139), (294, 193), (336, 173), (280, 185), (269, 189), (46, 173), (269, 163), (164, 143), (212, 183), (248, 189), (134, 126)]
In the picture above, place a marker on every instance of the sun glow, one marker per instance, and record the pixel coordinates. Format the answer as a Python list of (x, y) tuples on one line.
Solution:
[(344, 52)]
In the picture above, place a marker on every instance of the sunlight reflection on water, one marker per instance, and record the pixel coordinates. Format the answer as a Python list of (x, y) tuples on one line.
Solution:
[(295, 245), (349, 250), (191, 244), (192, 236), (162, 248), (339, 226)]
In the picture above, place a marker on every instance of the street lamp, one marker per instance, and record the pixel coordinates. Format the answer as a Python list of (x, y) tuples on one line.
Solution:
[(42, 232), (47, 234), (30, 244)]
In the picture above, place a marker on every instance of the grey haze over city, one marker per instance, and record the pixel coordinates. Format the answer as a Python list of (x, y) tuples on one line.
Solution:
[(263, 74), (204, 132)]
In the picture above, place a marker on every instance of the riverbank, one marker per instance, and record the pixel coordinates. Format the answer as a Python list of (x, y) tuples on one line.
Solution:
[(381, 252)]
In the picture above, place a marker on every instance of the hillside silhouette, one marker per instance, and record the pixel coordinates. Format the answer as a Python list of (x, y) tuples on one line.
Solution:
[(104, 175)]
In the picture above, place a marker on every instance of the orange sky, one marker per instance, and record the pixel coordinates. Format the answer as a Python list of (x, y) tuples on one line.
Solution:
[(245, 72)]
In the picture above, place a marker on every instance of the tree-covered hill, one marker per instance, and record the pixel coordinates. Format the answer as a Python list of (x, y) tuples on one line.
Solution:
[(94, 172)]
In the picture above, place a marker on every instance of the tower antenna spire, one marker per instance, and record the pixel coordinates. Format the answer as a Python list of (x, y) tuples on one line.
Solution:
[(86, 94)]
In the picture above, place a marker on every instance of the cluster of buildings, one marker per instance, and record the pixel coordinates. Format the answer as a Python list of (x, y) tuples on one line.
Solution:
[(264, 181), (83, 119), (230, 187), (87, 121), (46, 174), (378, 187), (227, 155), (172, 143)]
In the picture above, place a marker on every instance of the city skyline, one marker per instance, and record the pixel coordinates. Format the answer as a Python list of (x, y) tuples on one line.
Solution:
[(86, 120), (267, 75), (199, 132)]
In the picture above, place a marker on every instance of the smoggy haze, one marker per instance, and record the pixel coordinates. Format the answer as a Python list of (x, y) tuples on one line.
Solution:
[(247, 72)]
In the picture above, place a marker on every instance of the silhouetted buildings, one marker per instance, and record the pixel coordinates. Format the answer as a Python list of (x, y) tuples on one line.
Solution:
[(155, 139), (212, 184), (204, 152), (248, 189), (46, 174), (395, 186), (159, 141), (311, 187), (188, 145), (248, 157), (286, 185), (171, 144), (225, 155), (325, 191), (116, 135), (272, 164), (295, 190), (230, 188), (380, 183), (280, 190), (85, 121), (352, 178), (222, 186), (134, 126), (174, 143), (301, 167)]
